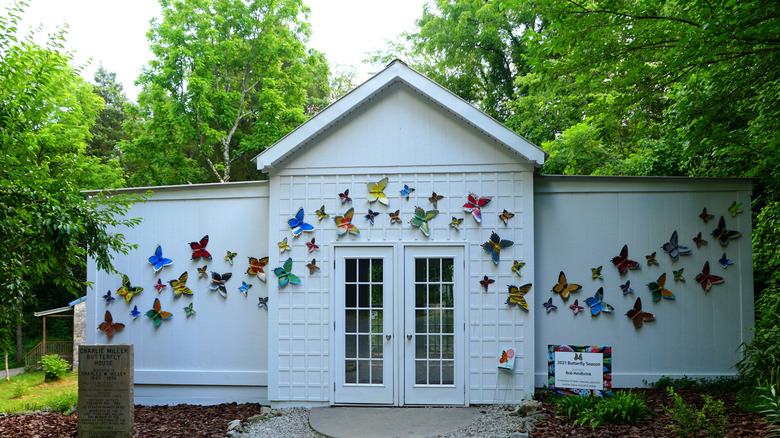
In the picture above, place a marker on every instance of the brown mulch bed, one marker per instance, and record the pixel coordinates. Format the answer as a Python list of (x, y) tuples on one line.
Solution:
[(211, 421)]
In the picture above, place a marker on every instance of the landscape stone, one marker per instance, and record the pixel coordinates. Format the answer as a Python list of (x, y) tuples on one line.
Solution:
[(105, 403)]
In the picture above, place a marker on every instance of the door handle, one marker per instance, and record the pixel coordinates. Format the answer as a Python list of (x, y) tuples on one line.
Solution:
[(388, 336), (409, 336)]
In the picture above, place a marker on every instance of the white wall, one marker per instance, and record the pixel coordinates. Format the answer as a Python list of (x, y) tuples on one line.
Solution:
[(583, 222), (219, 354)]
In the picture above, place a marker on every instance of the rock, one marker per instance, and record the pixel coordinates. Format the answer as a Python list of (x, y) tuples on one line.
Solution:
[(256, 419), (234, 425), (527, 406), (266, 410), (519, 435)]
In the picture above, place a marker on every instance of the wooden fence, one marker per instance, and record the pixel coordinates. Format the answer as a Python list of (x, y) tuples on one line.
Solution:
[(63, 349)]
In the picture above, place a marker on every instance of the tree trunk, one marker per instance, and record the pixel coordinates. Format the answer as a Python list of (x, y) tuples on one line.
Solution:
[(19, 346)]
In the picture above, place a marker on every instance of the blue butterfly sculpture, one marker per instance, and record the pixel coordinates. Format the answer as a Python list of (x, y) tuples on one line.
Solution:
[(597, 304), (406, 191), (157, 260), (494, 246), (371, 215), (298, 225), (263, 303), (135, 312), (725, 262), (673, 249), (626, 288), (108, 297), (244, 287), (284, 274), (549, 306)]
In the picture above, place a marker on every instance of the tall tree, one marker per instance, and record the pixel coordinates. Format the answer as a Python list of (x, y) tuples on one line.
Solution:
[(108, 130)]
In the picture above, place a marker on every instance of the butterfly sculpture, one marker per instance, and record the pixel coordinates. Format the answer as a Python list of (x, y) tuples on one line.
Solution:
[(218, 283), (244, 288), (658, 290), (297, 224), (256, 267), (421, 218), (622, 262), (678, 274), (202, 272), (456, 223), (127, 290), (673, 249), (158, 315), (159, 286), (311, 246), (109, 326), (725, 262), (371, 215), (434, 198), (189, 310), (406, 191), (263, 303), (283, 246), (376, 191), (157, 260), (517, 266), (134, 312), (199, 249), (699, 241), (517, 296), (734, 209), (505, 216), (108, 298), (651, 260), (705, 216), (495, 245), (722, 234), (706, 280), (474, 206), (229, 256), (626, 288), (394, 218), (596, 273), (597, 304), (321, 213), (637, 316), (180, 286), (344, 197), (344, 224), (549, 306), (284, 274), (563, 288), (576, 307), (312, 266), (485, 282)]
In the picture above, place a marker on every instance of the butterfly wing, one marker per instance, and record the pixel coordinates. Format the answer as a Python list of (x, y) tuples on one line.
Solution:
[(622, 262), (725, 262), (626, 288), (516, 295), (135, 312), (157, 260), (651, 260), (376, 191), (705, 216), (263, 302), (199, 249)]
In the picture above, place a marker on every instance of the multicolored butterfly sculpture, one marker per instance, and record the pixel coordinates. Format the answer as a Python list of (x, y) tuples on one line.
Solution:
[(596, 273), (658, 290), (108, 298), (705, 216), (495, 245), (434, 198), (157, 260), (699, 241), (485, 282), (159, 286), (189, 310), (311, 246), (395, 218), (651, 260), (127, 290), (505, 216), (549, 306), (637, 316), (517, 296), (563, 288), (134, 312), (297, 224), (722, 234), (456, 223), (256, 267), (312, 266), (576, 307), (734, 208), (706, 280), (376, 191), (421, 218), (109, 326), (678, 274), (283, 246), (344, 224), (202, 272), (474, 205), (626, 288), (263, 303), (406, 191), (674, 249), (285, 275), (344, 197), (517, 266), (321, 213), (180, 286), (199, 249), (229, 256), (725, 262), (597, 304), (218, 283), (622, 262), (158, 315), (371, 215), (244, 288)]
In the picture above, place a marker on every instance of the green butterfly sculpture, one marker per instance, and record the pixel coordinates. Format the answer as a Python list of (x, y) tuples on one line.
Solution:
[(284, 274), (421, 218)]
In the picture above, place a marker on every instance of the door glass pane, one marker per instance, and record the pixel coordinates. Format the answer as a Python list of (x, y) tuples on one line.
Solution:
[(350, 270), (420, 294), (350, 295), (376, 270), (420, 372), (363, 346), (376, 321), (364, 296), (364, 371), (434, 297), (350, 371), (448, 372), (364, 268), (420, 271), (447, 270), (434, 269), (376, 371), (434, 321), (364, 321)]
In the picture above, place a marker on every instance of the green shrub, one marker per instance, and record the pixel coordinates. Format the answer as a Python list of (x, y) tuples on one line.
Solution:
[(768, 405), (687, 421), (571, 405), (55, 367), (713, 385), (622, 407), (20, 390)]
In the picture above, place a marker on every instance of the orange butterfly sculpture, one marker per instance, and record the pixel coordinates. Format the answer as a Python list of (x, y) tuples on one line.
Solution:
[(109, 326), (344, 223), (563, 288)]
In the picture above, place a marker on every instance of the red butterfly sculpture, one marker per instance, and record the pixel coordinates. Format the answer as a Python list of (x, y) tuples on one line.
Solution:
[(623, 263), (485, 282), (706, 279), (199, 248)]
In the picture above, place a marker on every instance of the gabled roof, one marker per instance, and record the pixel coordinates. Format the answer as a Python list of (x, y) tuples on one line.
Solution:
[(395, 72)]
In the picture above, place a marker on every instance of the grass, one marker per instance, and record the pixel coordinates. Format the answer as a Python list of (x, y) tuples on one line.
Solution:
[(29, 392)]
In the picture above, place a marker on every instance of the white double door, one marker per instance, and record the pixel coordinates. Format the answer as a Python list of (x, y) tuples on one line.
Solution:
[(399, 330)]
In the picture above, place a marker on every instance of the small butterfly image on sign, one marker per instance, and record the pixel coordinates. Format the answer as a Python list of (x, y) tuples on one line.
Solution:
[(199, 249), (706, 280), (734, 208), (577, 356), (371, 215), (263, 303), (474, 206), (622, 262), (283, 246), (517, 266), (651, 260), (563, 288), (549, 306), (722, 234), (158, 261), (658, 290), (456, 223), (596, 273), (406, 191), (313, 266), (637, 316), (256, 267), (394, 218), (134, 312), (159, 286), (376, 191), (576, 307), (344, 224), (108, 298), (505, 216), (597, 304), (434, 198), (127, 290), (705, 216), (321, 213), (699, 241), (285, 275), (626, 288), (311, 246), (517, 296), (485, 282), (344, 197), (244, 288), (673, 249), (678, 274), (189, 310), (202, 272), (109, 326), (158, 315), (218, 283), (495, 245), (180, 286), (298, 226), (421, 218), (229, 256), (725, 262)]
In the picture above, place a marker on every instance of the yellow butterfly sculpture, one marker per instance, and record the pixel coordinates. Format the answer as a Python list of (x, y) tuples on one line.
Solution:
[(283, 246), (180, 286), (127, 290), (516, 296), (563, 288), (376, 191)]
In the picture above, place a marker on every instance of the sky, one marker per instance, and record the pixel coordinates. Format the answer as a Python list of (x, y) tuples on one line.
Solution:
[(113, 32)]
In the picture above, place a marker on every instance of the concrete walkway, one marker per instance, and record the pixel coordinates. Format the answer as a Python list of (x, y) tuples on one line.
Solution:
[(12, 372), (349, 422)]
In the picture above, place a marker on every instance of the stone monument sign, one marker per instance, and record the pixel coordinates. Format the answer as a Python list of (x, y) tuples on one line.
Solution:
[(105, 391)]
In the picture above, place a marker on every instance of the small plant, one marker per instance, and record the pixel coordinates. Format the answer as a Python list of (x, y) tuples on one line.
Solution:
[(689, 421), (623, 407), (55, 367), (20, 390), (572, 406), (769, 405), (716, 385)]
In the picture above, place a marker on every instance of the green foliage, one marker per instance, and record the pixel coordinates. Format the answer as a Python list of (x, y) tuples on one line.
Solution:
[(572, 406), (769, 405), (60, 396), (108, 130), (55, 367), (20, 390), (622, 407), (711, 385), (689, 421)]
